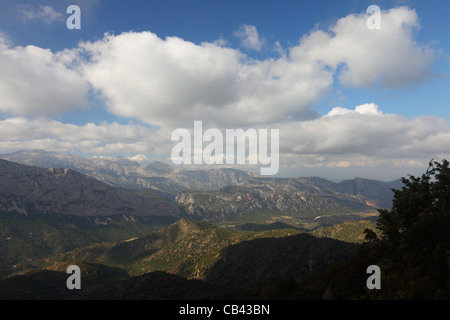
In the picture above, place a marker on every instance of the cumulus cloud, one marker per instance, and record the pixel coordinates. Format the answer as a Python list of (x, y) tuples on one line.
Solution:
[(35, 81), (250, 38), (363, 58), (368, 108), (362, 141), (173, 82), (366, 131), (106, 138)]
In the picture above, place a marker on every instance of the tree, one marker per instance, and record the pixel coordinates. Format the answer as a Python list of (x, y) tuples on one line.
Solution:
[(413, 251)]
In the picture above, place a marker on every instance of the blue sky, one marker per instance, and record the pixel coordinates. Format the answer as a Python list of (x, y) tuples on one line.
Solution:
[(316, 43)]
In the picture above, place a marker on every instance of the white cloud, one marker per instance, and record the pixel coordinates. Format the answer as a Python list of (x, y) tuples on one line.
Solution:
[(34, 81), (347, 143), (174, 82), (366, 131), (43, 13), (361, 137), (250, 38), (363, 58), (106, 138), (368, 108)]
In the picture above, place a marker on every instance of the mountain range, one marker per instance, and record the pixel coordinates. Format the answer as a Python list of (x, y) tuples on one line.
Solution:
[(217, 195), (158, 176), (146, 232), (271, 198)]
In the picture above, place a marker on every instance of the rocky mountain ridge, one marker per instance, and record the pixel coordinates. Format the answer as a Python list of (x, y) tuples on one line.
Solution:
[(306, 197), (26, 189), (159, 176), (217, 195)]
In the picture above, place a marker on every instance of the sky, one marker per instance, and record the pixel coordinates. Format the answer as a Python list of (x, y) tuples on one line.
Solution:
[(348, 100)]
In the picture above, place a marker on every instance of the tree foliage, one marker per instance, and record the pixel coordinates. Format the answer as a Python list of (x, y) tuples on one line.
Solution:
[(413, 250)]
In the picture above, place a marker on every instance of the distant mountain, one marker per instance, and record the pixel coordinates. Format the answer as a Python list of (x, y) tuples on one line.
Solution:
[(27, 189), (312, 198), (375, 193), (167, 179)]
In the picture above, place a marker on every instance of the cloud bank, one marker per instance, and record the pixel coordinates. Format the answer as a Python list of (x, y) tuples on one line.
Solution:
[(168, 83)]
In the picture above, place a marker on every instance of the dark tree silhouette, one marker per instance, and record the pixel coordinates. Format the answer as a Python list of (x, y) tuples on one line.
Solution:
[(413, 250)]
